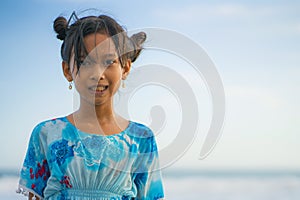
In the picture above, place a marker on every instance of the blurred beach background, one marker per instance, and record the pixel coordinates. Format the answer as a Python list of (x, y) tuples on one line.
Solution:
[(255, 47), (208, 185)]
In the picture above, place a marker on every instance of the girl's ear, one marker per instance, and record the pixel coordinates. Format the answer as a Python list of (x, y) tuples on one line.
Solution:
[(126, 69), (66, 71)]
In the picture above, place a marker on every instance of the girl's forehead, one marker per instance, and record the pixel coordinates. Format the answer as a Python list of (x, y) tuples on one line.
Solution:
[(99, 44)]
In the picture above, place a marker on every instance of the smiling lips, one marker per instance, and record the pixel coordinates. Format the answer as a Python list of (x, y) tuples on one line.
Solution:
[(99, 89)]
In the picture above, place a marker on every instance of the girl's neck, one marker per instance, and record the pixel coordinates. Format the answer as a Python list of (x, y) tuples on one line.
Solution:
[(99, 119), (101, 113)]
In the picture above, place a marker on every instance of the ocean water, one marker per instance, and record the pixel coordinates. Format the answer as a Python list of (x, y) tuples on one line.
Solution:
[(206, 185), (233, 186)]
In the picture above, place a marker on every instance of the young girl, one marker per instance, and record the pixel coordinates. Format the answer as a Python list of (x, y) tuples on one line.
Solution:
[(93, 153)]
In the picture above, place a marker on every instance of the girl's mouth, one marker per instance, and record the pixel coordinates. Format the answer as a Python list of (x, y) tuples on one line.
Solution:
[(98, 90)]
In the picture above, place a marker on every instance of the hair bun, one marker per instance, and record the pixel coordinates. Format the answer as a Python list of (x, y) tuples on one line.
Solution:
[(138, 39), (60, 27)]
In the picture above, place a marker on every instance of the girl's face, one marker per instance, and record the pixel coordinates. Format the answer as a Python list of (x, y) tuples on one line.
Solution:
[(100, 73)]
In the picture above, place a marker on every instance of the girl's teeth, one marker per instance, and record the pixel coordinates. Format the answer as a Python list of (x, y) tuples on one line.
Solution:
[(100, 89)]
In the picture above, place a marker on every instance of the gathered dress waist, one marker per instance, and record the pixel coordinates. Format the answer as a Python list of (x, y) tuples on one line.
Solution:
[(84, 194)]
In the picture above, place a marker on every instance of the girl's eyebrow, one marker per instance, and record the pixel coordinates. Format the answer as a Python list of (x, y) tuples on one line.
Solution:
[(87, 58), (110, 55), (91, 58), (102, 56), (84, 57)]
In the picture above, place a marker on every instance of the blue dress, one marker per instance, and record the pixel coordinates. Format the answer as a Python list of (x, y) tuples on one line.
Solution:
[(63, 162)]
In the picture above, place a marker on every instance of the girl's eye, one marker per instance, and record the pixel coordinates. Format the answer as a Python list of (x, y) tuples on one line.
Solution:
[(85, 63), (109, 62)]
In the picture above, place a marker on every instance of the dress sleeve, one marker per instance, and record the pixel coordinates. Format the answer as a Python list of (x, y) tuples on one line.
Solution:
[(35, 171), (148, 179)]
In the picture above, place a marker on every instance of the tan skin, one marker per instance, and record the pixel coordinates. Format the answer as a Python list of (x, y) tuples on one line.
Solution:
[(96, 114)]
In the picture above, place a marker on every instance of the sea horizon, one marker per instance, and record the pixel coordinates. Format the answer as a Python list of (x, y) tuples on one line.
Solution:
[(193, 184), (185, 172)]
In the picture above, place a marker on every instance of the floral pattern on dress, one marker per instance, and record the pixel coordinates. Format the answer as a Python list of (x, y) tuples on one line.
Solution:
[(60, 151), (38, 175), (31, 156), (62, 163), (65, 181), (91, 149)]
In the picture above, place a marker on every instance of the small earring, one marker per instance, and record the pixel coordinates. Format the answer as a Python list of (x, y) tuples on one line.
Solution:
[(70, 85)]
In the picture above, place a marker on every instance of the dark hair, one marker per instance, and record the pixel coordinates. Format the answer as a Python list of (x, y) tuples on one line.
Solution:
[(73, 37)]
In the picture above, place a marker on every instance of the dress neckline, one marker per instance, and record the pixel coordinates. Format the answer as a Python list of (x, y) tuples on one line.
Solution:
[(95, 134)]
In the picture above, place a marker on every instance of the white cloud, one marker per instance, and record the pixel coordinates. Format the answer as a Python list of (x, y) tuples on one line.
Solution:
[(297, 27), (259, 96), (231, 10), (276, 17), (83, 1), (205, 11)]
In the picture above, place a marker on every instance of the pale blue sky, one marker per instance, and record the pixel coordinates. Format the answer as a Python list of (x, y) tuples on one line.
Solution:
[(254, 44)]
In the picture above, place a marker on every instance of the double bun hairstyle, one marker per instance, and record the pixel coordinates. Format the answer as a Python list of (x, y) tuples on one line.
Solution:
[(73, 35)]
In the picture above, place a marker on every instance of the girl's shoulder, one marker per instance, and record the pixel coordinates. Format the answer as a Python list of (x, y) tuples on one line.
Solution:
[(143, 135), (51, 122), (138, 129), (53, 125)]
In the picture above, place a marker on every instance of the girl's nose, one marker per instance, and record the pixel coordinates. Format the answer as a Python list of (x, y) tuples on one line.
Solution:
[(98, 73)]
